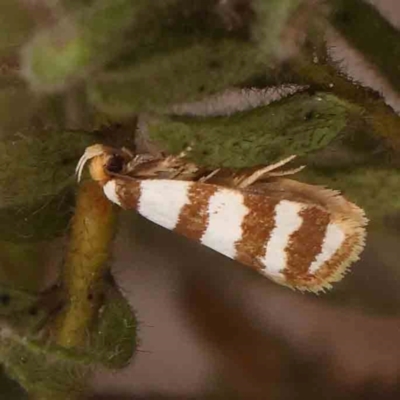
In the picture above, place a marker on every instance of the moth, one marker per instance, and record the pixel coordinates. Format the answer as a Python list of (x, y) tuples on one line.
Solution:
[(298, 235)]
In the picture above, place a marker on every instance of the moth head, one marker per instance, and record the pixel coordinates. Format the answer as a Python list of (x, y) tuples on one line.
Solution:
[(104, 162)]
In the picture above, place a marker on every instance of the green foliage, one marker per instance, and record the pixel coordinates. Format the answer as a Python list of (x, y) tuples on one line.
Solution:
[(115, 340), (39, 167), (296, 125), (43, 220), (10, 388), (36, 193), (26, 311), (273, 18), (96, 34), (351, 17), (86, 37), (13, 93), (22, 264), (18, 24), (41, 366), (14, 301), (44, 370), (204, 68), (80, 64)]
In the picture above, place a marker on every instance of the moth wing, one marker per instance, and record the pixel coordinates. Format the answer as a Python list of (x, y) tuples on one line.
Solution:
[(298, 235), (344, 236)]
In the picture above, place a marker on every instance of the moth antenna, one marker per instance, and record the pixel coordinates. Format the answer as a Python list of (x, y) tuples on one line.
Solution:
[(288, 172), (209, 176), (90, 152), (268, 171), (281, 163), (138, 160)]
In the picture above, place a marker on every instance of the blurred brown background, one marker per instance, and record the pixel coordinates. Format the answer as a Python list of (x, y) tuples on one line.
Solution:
[(212, 329)]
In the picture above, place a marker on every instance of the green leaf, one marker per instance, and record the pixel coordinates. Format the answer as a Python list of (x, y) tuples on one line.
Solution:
[(115, 334), (299, 124), (42, 369)]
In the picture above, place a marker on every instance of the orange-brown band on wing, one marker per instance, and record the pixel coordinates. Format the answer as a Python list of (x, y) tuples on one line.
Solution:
[(257, 226), (305, 244), (128, 192), (193, 218)]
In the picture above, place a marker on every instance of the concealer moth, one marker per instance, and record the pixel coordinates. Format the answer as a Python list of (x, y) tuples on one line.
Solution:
[(298, 235)]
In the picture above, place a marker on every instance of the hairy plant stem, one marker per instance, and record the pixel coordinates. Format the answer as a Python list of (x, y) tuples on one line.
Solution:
[(86, 264)]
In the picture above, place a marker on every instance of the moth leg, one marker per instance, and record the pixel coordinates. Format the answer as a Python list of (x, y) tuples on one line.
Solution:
[(183, 154), (268, 171), (288, 172), (209, 176), (272, 167), (170, 167), (139, 160), (127, 152)]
